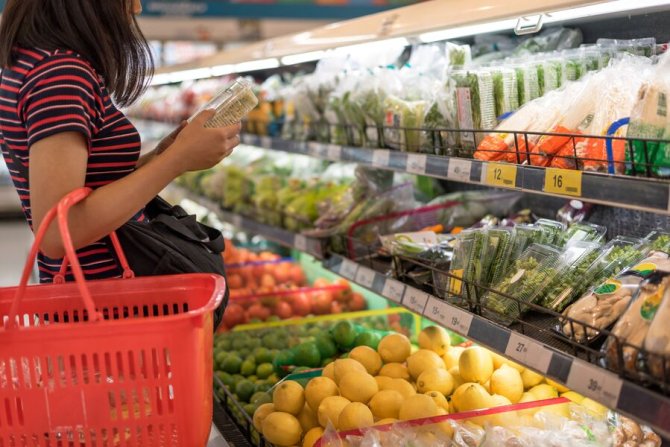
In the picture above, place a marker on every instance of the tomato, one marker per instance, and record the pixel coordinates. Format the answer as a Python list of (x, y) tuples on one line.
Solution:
[(321, 303), (283, 310), (233, 315), (258, 311), (357, 302), (301, 304), (335, 308)]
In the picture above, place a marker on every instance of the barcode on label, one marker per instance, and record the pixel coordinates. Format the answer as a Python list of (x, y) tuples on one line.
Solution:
[(348, 269), (415, 300), (393, 290), (334, 152), (571, 189)]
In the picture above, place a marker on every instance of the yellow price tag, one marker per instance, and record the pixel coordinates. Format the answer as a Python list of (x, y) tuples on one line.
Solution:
[(563, 181), (501, 174)]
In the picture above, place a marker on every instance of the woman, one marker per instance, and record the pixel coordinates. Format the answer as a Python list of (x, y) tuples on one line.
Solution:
[(66, 66)]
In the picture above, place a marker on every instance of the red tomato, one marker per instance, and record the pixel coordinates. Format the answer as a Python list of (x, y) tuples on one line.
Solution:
[(346, 293), (301, 304), (321, 302), (357, 302), (258, 311), (233, 315), (283, 310), (335, 308)]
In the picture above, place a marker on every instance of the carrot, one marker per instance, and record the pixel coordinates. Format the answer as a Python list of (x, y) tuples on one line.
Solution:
[(439, 228), (492, 148)]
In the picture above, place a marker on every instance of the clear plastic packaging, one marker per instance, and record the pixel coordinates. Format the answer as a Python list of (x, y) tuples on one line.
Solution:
[(524, 236), (528, 84), (467, 264), (549, 74), (582, 231), (505, 90), (657, 341), (475, 105), (495, 257), (232, 104), (552, 231)]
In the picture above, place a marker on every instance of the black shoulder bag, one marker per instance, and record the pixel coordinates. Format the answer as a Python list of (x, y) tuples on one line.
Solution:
[(170, 242)]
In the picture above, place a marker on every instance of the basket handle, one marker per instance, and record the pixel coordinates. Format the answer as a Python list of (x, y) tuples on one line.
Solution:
[(60, 211)]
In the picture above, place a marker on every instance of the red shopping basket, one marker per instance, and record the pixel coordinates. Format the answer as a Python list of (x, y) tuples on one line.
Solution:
[(133, 367)]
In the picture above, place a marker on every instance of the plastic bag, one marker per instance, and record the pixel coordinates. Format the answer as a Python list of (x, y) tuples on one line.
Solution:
[(505, 91), (551, 39), (458, 55), (475, 106), (474, 205)]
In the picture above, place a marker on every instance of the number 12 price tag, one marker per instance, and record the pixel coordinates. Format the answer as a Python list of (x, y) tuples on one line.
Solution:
[(501, 174), (563, 181)]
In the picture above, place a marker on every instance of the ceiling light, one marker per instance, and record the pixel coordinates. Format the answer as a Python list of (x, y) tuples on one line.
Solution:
[(261, 64), (302, 57), (371, 46)]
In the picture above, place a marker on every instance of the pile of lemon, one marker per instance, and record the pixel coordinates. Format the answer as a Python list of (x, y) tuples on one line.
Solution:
[(400, 382)]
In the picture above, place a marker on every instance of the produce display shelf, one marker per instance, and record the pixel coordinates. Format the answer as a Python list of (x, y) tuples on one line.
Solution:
[(312, 246), (581, 376), (640, 193)]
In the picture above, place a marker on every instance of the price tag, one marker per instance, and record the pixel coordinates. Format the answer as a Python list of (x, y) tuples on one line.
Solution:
[(563, 181), (334, 152), (416, 163), (365, 277), (528, 352), (381, 158), (236, 220), (458, 320), (436, 310), (595, 383), (314, 149), (459, 169), (266, 142), (348, 269), (300, 242), (393, 290), (500, 174), (247, 139), (415, 300)]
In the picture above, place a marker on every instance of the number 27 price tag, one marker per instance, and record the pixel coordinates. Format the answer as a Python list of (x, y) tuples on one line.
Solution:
[(563, 181)]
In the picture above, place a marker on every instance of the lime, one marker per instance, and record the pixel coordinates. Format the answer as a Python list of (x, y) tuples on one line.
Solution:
[(253, 378), (263, 386), (219, 359), (370, 339), (284, 358), (249, 409), (236, 378), (225, 344), (227, 379), (239, 344), (344, 334), (315, 331), (268, 340), (273, 379), (253, 343), (264, 370), (260, 397), (248, 368), (325, 362), (232, 364), (307, 354), (244, 353), (244, 390), (326, 345), (262, 355)]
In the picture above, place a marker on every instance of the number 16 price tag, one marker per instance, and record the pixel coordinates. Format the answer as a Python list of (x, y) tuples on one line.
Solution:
[(563, 181)]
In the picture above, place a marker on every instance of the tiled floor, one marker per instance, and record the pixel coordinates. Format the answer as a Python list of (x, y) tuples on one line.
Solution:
[(15, 240)]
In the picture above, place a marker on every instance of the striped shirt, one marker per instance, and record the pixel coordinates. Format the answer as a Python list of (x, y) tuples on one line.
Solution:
[(49, 92)]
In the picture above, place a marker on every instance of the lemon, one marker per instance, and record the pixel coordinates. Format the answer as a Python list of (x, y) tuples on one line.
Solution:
[(281, 429), (560, 388), (456, 375), (289, 397), (435, 339), (355, 415), (543, 391), (506, 419), (417, 407), (383, 382), (450, 358), (475, 365), (499, 360), (470, 396), (530, 379), (312, 436), (358, 387), (386, 421), (307, 418), (527, 397), (318, 389), (423, 360), (395, 370), (403, 387), (344, 366), (439, 400), (386, 404), (575, 397), (329, 371), (487, 386), (261, 413), (498, 400), (394, 348), (435, 380), (594, 408), (330, 408), (506, 381), (551, 411), (367, 357)]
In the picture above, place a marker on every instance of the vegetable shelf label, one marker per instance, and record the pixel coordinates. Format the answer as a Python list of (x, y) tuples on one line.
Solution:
[(458, 320), (459, 170), (437, 310), (300, 242), (563, 181), (501, 174), (594, 382), (393, 290), (416, 163), (528, 352), (365, 277), (381, 157), (415, 300), (348, 269), (266, 142), (334, 152)]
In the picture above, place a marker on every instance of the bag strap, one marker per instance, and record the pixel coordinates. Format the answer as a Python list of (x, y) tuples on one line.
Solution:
[(216, 244)]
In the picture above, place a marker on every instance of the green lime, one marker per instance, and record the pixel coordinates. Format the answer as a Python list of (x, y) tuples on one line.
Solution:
[(284, 358), (250, 409), (370, 339), (273, 318), (219, 359), (244, 353), (253, 378), (262, 355), (225, 344), (261, 397), (232, 364), (244, 389), (268, 341), (248, 368), (239, 344), (264, 370), (273, 379), (227, 379), (315, 331), (263, 386), (237, 378), (344, 334), (307, 354), (325, 362), (325, 345)]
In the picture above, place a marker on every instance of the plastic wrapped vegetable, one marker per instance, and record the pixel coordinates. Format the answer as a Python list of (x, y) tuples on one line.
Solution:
[(466, 264), (657, 340), (582, 231), (525, 235), (528, 84), (403, 122), (552, 231), (475, 105), (458, 55), (549, 74), (505, 90), (495, 256)]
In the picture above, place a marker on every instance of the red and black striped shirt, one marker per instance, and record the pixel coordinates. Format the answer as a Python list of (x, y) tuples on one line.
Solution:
[(49, 92)]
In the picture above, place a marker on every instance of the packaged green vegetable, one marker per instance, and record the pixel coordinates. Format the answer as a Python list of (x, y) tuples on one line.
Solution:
[(475, 106), (582, 231), (495, 256), (403, 122), (505, 90), (552, 231), (528, 84), (524, 236), (549, 74), (466, 264)]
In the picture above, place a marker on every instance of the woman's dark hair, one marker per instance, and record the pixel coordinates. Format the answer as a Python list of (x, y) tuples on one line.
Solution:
[(103, 32)]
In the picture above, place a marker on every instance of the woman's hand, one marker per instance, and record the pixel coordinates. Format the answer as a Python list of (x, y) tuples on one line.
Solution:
[(196, 148)]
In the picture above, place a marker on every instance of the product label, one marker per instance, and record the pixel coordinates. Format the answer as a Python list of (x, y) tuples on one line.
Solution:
[(662, 106), (392, 133), (651, 303), (608, 287), (501, 174), (563, 181), (465, 120), (643, 269)]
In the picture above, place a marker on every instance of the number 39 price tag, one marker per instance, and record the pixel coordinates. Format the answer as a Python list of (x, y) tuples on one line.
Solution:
[(563, 181), (594, 382)]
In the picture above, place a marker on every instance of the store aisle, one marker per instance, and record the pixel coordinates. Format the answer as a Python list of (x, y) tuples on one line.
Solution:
[(15, 238)]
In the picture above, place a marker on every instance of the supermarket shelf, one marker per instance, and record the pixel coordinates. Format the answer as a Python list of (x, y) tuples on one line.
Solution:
[(283, 237), (585, 378), (643, 194)]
